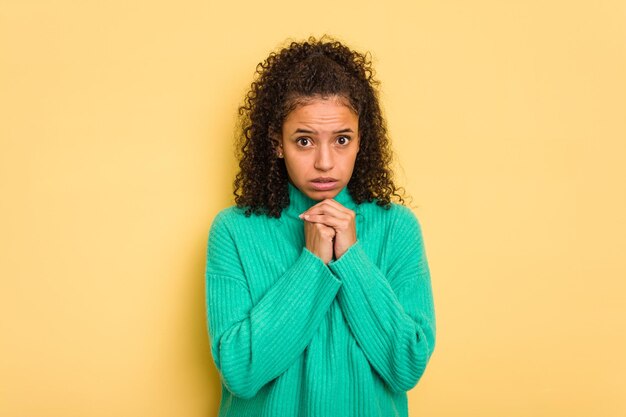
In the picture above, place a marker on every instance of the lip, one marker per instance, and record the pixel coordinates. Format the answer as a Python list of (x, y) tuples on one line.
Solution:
[(324, 183), (324, 179)]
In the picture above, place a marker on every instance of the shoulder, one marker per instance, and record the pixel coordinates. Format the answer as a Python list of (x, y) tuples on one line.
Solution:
[(235, 217), (398, 214), (226, 216), (406, 222), (225, 227), (397, 222), (405, 215)]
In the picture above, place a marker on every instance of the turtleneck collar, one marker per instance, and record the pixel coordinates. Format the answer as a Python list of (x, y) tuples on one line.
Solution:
[(300, 202)]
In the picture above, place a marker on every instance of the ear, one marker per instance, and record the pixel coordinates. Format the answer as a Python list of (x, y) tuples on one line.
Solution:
[(279, 151), (277, 143)]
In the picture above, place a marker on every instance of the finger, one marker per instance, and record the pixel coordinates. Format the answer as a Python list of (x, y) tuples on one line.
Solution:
[(330, 209), (337, 204), (325, 220), (332, 203)]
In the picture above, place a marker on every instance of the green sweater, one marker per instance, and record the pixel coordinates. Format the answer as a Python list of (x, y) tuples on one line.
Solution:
[(292, 336)]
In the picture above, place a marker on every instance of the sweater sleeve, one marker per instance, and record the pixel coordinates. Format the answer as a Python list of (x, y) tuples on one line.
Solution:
[(391, 317), (253, 344)]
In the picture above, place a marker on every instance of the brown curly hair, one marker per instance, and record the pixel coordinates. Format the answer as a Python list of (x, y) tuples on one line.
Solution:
[(286, 79)]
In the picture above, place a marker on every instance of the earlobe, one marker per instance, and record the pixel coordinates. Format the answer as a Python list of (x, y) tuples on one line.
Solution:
[(277, 141), (279, 150)]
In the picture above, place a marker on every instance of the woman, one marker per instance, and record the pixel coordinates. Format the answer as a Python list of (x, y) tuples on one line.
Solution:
[(318, 290)]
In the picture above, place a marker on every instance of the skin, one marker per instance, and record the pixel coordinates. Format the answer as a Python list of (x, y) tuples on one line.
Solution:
[(329, 227)]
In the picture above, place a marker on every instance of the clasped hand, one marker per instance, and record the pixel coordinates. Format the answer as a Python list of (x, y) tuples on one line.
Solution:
[(329, 229)]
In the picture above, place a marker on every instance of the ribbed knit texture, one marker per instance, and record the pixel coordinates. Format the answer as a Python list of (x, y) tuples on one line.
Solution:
[(291, 336)]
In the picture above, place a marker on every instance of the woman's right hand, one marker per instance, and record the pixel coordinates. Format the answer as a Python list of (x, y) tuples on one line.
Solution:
[(319, 240)]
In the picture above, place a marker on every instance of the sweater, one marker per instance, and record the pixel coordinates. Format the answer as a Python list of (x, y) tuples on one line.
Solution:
[(293, 336)]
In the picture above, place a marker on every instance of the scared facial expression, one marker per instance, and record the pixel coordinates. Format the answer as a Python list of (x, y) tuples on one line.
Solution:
[(320, 142)]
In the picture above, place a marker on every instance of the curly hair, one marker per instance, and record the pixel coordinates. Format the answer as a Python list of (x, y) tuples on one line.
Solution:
[(287, 79)]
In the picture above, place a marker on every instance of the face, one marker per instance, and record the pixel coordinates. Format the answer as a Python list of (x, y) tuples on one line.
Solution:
[(320, 141)]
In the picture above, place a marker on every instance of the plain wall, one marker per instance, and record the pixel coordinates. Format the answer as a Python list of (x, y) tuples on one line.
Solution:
[(508, 119)]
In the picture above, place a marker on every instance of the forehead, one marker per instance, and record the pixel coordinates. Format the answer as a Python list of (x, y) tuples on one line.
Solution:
[(322, 110)]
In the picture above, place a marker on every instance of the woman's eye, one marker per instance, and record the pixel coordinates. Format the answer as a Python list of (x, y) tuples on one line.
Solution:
[(303, 141), (343, 140)]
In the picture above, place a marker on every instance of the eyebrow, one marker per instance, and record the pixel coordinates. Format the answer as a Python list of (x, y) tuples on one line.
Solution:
[(313, 131)]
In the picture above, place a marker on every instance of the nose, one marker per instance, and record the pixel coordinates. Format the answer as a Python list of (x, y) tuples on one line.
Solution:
[(324, 158)]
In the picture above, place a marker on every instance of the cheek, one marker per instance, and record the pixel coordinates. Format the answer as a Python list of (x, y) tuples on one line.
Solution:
[(296, 159), (351, 158), (296, 165)]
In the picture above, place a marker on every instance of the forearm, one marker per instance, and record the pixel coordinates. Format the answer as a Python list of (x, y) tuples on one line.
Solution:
[(394, 326), (255, 346)]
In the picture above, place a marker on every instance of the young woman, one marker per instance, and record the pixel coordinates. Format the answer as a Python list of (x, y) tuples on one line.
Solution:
[(318, 291)]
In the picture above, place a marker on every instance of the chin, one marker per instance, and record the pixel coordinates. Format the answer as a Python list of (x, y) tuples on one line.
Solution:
[(322, 195)]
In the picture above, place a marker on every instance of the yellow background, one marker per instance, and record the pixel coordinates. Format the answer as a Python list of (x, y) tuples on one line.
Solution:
[(508, 119)]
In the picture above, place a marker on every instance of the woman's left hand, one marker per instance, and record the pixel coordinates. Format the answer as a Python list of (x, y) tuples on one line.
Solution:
[(331, 213)]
